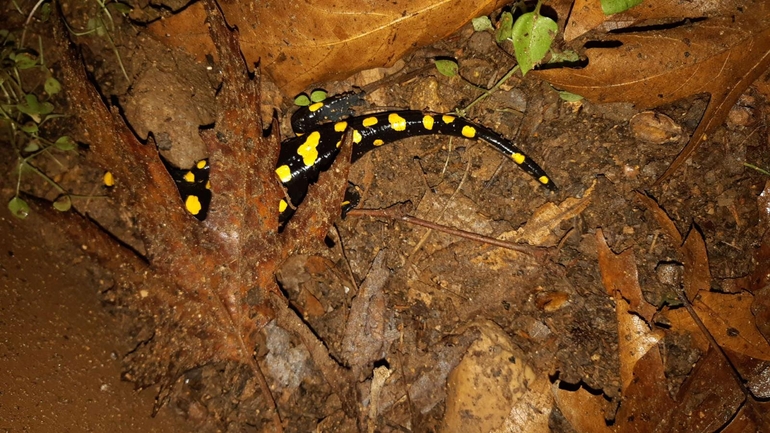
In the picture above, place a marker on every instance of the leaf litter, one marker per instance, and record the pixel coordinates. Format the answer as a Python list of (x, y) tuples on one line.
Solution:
[(557, 321), (720, 52)]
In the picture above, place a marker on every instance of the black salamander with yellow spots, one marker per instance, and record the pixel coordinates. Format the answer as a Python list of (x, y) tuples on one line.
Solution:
[(302, 158), (194, 187)]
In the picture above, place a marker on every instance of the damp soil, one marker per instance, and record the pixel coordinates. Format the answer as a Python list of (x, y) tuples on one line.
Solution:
[(61, 347)]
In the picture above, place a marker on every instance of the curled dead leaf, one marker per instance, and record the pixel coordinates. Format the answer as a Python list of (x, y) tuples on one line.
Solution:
[(547, 217)]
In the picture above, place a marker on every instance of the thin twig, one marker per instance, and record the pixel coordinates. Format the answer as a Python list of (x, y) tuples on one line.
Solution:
[(537, 252)]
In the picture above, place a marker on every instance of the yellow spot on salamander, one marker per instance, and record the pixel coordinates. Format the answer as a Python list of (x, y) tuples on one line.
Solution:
[(340, 126), (192, 204), (518, 158), (469, 131), (345, 203), (447, 118), (378, 142), (284, 173), (309, 149), (109, 179), (189, 177), (356, 137), (339, 143), (397, 122), (369, 122), (201, 164), (315, 107), (427, 122), (544, 180), (282, 205), (208, 184)]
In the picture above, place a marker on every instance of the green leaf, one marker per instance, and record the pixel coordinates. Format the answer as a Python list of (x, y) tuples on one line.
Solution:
[(533, 35), (33, 106), (122, 8), (564, 56), (45, 12), (96, 24), (18, 207), (447, 67), (24, 60), (569, 96), (481, 24), (65, 143), (30, 128), (302, 100), (63, 203), (52, 86), (504, 27), (610, 7), (318, 95), (32, 146)]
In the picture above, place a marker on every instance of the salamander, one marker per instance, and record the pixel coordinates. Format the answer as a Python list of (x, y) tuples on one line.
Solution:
[(303, 157)]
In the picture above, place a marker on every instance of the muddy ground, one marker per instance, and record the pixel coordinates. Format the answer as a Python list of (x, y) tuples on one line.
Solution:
[(61, 351)]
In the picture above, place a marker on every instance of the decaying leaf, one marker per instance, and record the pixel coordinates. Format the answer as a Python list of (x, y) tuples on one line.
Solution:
[(587, 15), (493, 387), (547, 217), (646, 402), (693, 250), (709, 397), (635, 339), (302, 42), (582, 409), (728, 318), (720, 55), (619, 275), (697, 275)]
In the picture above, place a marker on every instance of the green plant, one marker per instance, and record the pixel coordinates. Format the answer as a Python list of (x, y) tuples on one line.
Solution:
[(303, 100), (103, 25), (532, 36), (24, 113)]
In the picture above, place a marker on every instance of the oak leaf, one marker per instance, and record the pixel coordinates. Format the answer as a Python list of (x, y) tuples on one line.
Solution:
[(300, 43), (720, 55)]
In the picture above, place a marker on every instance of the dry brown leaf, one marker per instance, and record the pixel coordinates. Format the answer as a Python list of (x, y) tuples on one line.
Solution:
[(548, 217), (721, 56), (486, 386), (583, 410), (302, 42), (751, 418), (697, 275), (619, 274), (728, 318), (646, 403), (681, 322), (708, 398), (587, 15), (661, 217), (635, 339)]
